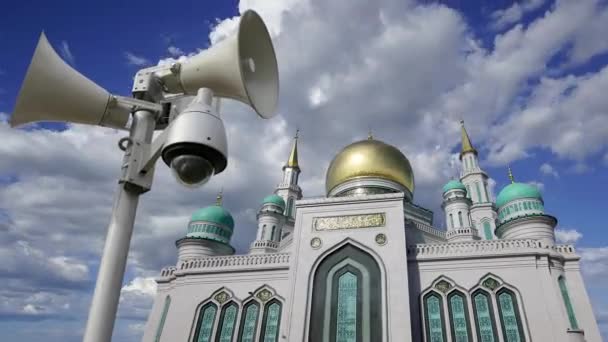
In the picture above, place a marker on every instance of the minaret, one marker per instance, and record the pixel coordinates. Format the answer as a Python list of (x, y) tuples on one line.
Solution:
[(456, 206), (289, 189), (475, 180), (270, 225)]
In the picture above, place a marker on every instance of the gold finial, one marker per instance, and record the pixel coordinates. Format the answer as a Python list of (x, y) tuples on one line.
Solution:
[(370, 135), (220, 197), (511, 175), (293, 156), (467, 146)]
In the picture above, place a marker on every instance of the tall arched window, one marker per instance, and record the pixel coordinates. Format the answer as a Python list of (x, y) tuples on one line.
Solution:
[(289, 212), (567, 303), (487, 230), (509, 316), (460, 219), (206, 320), (479, 199), (346, 304), (249, 322), (271, 321), (163, 317), (484, 317), (433, 318), (459, 317), (227, 322), (451, 221)]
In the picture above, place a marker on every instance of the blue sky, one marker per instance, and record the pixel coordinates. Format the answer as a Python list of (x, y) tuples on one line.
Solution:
[(528, 78)]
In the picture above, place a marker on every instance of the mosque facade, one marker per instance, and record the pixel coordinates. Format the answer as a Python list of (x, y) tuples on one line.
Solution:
[(365, 263)]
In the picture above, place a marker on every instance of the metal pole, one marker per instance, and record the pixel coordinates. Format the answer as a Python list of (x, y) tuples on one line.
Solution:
[(102, 313)]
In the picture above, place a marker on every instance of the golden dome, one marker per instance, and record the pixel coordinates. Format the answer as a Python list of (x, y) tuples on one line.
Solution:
[(369, 159)]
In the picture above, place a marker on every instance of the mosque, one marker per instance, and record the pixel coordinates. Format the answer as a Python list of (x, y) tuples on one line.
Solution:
[(365, 263)]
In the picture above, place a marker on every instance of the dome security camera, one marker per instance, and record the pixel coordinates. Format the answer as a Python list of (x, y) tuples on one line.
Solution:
[(196, 146)]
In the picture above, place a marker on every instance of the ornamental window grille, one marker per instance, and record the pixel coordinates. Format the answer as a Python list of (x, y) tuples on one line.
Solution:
[(163, 317), (227, 322), (433, 318), (567, 303), (459, 317), (344, 308), (205, 323), (249, 322), (484, 317), (271, 321), (509, 316)]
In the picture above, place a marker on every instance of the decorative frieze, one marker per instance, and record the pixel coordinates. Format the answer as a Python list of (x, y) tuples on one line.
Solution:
[(349, 222)]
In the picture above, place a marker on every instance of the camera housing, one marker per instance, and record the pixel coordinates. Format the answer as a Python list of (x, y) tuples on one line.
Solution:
[(196, 147)]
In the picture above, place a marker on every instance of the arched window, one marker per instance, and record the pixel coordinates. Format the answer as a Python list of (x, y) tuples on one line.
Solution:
[(451, 221), (567, 303), (460, 219), (479, 199), (163, 317), (204, 326), (509, 316), (484, 317), (227, 322), (289, 211), (274, 228), (249, 322), (487, 230), (459, 317), (468, 191), (433, 318), (346, 303), (271, 321)]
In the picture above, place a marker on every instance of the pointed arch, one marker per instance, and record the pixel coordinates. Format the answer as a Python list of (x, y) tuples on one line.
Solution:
[(349, 278), (249, 321), (227, 322), (271, 321), (459, 316), (434, 319), (567, 302), (510, 320), (485, 325), (205, 322)]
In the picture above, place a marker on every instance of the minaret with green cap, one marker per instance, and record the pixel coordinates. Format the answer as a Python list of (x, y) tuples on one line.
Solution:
[(475, 180), (209, 232)]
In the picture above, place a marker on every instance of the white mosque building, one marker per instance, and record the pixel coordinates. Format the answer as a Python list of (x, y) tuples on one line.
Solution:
[(365, 264)]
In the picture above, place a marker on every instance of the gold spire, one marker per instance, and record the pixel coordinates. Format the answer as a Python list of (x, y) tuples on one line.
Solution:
[(293, 156), (511, 175), (467, 146), (219, 198)]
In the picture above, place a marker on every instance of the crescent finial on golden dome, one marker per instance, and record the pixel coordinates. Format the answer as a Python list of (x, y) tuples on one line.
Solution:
[(370, 164)]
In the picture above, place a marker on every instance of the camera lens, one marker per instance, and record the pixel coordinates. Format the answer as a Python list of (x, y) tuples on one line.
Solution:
[(191, 170)]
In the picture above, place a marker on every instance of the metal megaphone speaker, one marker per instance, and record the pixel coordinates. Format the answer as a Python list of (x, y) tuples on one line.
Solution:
[(242, 67), (54, 91)]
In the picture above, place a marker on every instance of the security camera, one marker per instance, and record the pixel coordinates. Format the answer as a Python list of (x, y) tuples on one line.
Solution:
[(196, 146)]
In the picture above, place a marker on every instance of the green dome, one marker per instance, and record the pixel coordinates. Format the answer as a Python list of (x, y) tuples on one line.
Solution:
[(216, 214), (274, 199), (453, 185), (515, 191)]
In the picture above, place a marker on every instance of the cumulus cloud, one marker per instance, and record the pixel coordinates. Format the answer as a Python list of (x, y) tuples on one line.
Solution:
[(505, 17), (547, 169), (175, 51), (133, 59), (567, 235)]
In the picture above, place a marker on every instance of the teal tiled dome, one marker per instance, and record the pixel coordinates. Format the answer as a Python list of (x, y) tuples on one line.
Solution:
[(215, 214), (453, 185), (515, 191), (274, 199)]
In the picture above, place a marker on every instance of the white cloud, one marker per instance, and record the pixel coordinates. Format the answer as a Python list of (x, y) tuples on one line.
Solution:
[(508, 16), (539, 185), (133, 59), (547, 169), (175, 51), (595, 264), (567, 236), (66, 53), (142, 285)]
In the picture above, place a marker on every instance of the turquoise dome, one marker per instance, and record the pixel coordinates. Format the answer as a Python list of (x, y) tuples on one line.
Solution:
[(274, 199), (515, 191), (453, 185), (215, 214)]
